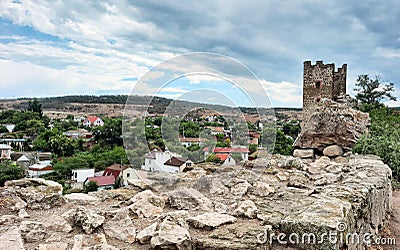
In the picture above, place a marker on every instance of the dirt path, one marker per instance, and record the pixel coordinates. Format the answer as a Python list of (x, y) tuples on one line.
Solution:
[(393, 228)]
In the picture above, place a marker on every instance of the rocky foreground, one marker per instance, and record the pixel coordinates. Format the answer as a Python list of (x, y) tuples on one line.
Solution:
[(230, 208)]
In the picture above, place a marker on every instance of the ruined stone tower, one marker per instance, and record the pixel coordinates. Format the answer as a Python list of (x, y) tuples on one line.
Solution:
[(322, 81)]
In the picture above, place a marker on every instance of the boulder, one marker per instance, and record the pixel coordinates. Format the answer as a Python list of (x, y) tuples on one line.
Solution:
[(80, 198), (33, 231), (146, 234), (188, 198), (240, 188), (332, 124), (210, 220), (303, 153), (87, 219), (120, 227), (37, 193), (333, 151), (10, 238), (298, 180), (171, 235), (146, 204), (262, 189), (247, 209), (53, 246)]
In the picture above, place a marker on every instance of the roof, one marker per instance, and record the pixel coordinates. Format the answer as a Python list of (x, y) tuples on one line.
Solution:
[(5, 146), (114, 170), (23, 158), (40, 167), (92, 119), (222, 157), (176, 161), (190, 139), (216, 129), (102, 180), (231, 150)]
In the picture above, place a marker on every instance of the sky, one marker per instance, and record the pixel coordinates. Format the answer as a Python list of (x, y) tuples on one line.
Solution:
[(56, 48)]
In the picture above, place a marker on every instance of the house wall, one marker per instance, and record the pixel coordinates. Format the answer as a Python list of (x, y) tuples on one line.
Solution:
[(128, 174), (229, 161), (80, 175), (35, 174)]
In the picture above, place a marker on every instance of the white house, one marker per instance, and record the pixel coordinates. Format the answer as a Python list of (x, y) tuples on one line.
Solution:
[(156, 161), (124, 172), (39, 169), (80, 175), (93, 121), (227, 159), (5, 151), (188, 141), (177, 164)]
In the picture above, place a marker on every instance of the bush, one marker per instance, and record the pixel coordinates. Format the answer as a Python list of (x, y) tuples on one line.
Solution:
[(91, 186), (10, 172), (383, 138)]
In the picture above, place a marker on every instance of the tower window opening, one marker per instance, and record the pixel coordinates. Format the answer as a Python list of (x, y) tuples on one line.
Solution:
[(317, 84)]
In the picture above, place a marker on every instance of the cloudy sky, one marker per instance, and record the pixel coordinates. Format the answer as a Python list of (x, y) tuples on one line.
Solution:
[(53, 48)]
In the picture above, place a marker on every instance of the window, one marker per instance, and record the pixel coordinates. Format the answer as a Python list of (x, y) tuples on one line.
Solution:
[(76, 175), (188, 164), (128, 175), (318, 84)]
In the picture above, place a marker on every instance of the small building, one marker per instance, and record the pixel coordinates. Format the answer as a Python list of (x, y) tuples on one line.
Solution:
[(93, 121), (80, 175), (79, 133), (23, 161), (177, 164), (188, 141), (227, 159), (103, 182), (5, 152), (243, 151), (155, 161), (216, 130), (121, 171), (39, 169)]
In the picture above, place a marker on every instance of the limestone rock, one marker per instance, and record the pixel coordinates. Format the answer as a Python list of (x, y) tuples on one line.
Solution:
[(262, 189), (247, 209), (146, 204), (80, 198), (146, 234), (298, 180), (240, 189), (120, 227), (210, 220), (185, 198), (170, 235), (10, 238), (37, 193), (53, 246), (87, 219), (33, 231), (332, 124), (333, 151), (303, 153)]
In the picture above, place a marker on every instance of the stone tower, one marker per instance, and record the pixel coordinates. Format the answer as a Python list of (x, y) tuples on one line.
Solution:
[(322, 81)]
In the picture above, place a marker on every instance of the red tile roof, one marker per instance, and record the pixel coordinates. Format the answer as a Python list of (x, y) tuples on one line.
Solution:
[(114, 170), (222, 157), (92, 119), (231, 150), (102, 180)]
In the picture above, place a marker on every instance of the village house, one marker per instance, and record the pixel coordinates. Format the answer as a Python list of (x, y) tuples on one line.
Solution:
[(243, 151), (124, 172), (79, 176), (103, 182), (227, 159), (79, 133), (5, 152), (93, 121), (188, 141), (216, 130), (177, 164), (159, 161), (39, 169)]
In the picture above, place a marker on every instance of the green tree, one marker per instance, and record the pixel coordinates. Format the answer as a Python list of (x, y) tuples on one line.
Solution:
[(213, 158), (252, 148), (383, 138), (371, 92), (35, 106), (9, 171), (283, 144), (3, 129), (61, 145), (91, 186)]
